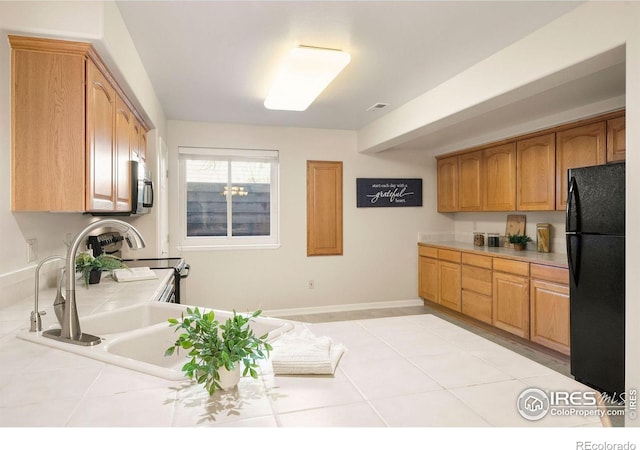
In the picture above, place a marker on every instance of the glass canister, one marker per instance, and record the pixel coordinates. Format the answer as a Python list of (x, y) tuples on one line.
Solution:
[(478, 239), (493, 240)]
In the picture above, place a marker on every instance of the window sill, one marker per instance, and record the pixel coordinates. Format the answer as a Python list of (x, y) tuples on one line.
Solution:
[(208, 248)]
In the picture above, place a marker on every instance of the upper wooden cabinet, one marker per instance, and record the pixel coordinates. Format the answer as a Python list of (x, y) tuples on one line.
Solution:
[(578, 147), (101, 107), (471, 181), (535, 167), (500, 178), (616, 139), (528, 173), (72, 129), (448, 184)]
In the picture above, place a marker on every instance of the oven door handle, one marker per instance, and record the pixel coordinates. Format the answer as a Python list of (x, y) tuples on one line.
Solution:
[(187, 267), (165, 297)]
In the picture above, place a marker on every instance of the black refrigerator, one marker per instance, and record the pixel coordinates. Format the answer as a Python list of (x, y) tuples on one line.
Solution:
[(595, 232)]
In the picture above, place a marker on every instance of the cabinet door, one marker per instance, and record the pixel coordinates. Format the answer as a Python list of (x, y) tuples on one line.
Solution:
[(577, 147), (616, 139), (428, 278), (324, 208), (500, 178), (47, 134), (143, 144), (449, 285), (138, 140), (550, 315), (471, 181), (101, 103), (123, 155), (477, 306), (448, 184), (511, 303), (536, 168)]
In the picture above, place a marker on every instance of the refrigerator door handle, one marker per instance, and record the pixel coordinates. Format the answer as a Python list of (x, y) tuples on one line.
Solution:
[(573, 258), (570, 197)]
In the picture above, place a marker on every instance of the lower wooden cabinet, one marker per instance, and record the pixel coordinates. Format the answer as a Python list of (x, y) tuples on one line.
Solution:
[(477, 287), (550, 323), (449, 285), (511, 303), (529, 300), (550, 315), (428, 278)]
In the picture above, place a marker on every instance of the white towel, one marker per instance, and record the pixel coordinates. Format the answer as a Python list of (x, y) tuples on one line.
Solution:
[(134, 274), (303, 353)]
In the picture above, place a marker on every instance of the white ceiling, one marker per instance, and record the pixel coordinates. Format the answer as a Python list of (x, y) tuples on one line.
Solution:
[(212, 60)]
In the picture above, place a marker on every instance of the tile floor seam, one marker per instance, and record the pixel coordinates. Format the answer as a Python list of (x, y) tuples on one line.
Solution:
[(367, 400)]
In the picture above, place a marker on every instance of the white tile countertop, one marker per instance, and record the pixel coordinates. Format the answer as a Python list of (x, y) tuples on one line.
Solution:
[(408, 371)]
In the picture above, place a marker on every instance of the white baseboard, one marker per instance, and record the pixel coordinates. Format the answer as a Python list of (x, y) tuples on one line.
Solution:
[(339, 308)]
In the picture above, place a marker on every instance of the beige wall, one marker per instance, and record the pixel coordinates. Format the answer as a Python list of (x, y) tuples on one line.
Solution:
[(380, 257)]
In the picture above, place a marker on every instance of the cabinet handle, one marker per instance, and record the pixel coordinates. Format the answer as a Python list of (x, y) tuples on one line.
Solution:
[(148, 184)]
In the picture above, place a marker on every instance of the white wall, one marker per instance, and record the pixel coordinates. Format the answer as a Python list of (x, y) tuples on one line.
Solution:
[(92, 21), (380, 254)]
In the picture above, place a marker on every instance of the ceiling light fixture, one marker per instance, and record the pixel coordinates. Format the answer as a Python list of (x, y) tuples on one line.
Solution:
[(306, 72)]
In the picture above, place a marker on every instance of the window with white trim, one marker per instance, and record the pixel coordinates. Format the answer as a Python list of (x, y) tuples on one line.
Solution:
[(228, 198)]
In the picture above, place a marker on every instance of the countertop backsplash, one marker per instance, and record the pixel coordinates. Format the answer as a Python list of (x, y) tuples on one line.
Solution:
[(465, 224)]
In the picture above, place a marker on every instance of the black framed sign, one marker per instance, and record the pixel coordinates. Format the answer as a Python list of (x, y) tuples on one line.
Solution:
[(388, 192)]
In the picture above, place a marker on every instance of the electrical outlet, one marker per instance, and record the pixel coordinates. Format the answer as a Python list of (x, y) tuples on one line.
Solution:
[(32, 250), (311, 284)]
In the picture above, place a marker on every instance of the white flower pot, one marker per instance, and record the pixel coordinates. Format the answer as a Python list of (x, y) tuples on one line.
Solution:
[(229, 378)]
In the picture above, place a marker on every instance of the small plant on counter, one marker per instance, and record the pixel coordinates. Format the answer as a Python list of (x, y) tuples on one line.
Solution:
[(519, 241), (86, 264), (215, 348)]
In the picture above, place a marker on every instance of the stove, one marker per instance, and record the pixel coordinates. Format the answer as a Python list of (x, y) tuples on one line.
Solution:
[(175, 291)]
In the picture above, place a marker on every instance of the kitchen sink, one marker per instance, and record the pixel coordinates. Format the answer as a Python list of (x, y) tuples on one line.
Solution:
[(136, 337), (130, 318)]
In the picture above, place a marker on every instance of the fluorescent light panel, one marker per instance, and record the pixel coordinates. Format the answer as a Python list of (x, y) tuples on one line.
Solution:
[(303, 76)]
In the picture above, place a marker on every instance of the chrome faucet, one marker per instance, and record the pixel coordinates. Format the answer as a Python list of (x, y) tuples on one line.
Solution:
[(35, 319), (70, 331)]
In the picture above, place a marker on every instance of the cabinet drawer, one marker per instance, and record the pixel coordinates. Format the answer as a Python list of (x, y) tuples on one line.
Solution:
[(477, 260), (549, 273), (510, 266), (477, 306), (429, 252), (477, 279), (449, 255)]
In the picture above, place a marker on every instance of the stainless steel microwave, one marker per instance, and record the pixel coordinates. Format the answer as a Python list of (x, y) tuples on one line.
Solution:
[(141, 187), (141, 192)]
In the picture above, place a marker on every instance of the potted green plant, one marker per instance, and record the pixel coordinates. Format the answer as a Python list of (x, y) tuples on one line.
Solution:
[(92, 268), (217, 349), (519, 241)]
